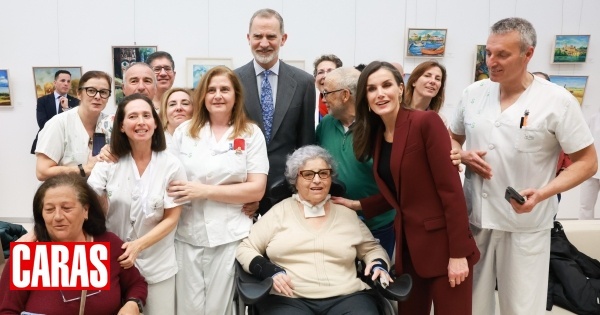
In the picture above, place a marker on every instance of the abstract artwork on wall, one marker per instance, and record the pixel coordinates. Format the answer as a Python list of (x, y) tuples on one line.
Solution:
[(481, 69), (123, 57)]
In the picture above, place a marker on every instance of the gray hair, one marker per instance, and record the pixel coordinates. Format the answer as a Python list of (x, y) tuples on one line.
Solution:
[(345, 78), (142, 64), (331, 57), (302, 155), (524, 27), (267, 13)]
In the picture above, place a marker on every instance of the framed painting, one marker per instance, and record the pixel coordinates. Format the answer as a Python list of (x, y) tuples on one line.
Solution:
[(296, 63), (43, 78), (481, 70), (570, 48), (197, 67), (123, 57), (4, 89), (426, 42), (574, 84)]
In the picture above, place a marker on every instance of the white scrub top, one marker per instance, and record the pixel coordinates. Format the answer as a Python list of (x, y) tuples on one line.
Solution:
[(206, 222), (137, 204), (65, 140), (520, 157)]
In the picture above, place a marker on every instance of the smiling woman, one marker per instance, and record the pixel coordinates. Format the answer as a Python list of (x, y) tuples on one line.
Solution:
[(225, 157), (66, 209), (64, 145), (139, 210)]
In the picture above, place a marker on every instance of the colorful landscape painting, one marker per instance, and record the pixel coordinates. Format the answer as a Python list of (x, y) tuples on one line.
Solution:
[(570, 48), (481, 70), (574, 84), (426, 42), (43, 78), (4, 89)]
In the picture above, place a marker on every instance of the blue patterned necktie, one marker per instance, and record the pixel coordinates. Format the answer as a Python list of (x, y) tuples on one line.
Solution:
[(266, 103)]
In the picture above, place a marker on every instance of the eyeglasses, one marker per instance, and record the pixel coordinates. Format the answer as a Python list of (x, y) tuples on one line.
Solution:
[(158, 69), (309, 175), (325, 93), (323, 72), (78, 296), (91, 92)]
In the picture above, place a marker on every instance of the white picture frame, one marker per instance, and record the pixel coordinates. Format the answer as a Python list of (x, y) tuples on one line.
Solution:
[(196, 67)]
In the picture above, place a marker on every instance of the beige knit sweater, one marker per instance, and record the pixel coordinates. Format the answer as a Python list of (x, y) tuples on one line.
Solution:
[(320, 262)]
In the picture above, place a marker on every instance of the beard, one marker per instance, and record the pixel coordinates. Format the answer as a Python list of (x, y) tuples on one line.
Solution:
[(264, 59)]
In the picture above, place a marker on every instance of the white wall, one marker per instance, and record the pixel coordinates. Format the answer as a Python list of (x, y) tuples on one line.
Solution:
[(81, 33)]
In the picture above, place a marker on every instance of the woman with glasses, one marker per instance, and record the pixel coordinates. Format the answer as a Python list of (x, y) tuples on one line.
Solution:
[(66, 209), (309, 245), (139, 210), (411, 167), (225, 157), (65, 143), (323, 65)]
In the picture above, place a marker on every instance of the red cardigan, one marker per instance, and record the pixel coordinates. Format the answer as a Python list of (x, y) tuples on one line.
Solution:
[(432, 212), (124, 283)]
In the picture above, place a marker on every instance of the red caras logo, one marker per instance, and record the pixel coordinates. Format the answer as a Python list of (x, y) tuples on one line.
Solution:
[(60, 266)]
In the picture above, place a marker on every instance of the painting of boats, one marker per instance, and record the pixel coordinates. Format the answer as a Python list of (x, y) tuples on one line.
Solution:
[(426, 42)]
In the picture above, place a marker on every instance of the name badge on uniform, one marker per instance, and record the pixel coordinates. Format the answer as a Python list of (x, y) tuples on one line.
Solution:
[(239, 145)]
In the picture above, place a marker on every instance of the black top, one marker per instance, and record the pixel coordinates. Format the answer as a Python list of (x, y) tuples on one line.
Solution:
[(384, 169)]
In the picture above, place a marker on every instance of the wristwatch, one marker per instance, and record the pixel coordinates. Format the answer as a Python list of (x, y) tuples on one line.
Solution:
[(138, 302)]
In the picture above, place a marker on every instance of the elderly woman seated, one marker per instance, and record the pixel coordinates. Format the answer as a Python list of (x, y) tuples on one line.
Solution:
[(311, 245), (66, 209)]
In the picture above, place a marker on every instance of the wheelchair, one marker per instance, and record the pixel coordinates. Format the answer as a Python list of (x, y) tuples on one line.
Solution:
[(249, 290)]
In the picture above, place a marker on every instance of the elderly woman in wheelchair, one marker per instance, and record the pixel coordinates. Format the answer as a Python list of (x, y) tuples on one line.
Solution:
[(308, 246)]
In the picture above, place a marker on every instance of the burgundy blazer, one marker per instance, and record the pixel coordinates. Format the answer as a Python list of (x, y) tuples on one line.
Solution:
[(430, 204)]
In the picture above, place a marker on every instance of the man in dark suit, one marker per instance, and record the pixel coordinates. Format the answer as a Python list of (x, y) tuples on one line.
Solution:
[(55, 103), (278, 97)]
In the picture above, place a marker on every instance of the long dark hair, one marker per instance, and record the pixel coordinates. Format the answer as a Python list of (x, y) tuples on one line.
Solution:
[(119, 143), (367, 123), (95, 224)]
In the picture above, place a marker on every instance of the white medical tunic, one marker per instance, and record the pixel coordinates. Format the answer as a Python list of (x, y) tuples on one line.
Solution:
[(65, 140), (520, 157), (211, 223), (137, 204)]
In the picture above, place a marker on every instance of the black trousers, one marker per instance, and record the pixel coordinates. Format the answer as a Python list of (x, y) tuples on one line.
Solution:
[(359, 303)]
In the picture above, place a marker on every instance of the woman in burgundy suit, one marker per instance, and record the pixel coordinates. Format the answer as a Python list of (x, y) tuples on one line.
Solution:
[(411, 167)]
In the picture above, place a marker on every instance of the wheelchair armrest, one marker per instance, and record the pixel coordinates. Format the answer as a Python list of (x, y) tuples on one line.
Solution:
[(249, 288), (398, 290)]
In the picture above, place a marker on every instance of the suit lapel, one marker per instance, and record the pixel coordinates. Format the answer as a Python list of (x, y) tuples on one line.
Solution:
[(383, 188), (400, 136), (248, 78), (286, 87)]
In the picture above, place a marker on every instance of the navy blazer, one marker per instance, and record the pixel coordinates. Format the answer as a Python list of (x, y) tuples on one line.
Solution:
[(46, 109), (293, 120)]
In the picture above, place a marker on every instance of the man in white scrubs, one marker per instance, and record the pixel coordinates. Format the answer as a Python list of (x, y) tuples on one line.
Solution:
[(591, 187), (515, 125)]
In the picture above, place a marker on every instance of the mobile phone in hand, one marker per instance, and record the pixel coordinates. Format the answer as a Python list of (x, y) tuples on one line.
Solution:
[(98, 142), (512, 193)]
